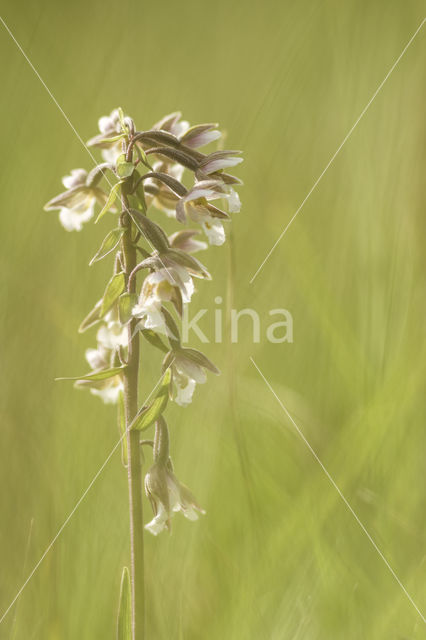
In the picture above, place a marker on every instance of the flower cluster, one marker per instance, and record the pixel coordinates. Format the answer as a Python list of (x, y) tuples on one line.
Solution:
[(144, 170)]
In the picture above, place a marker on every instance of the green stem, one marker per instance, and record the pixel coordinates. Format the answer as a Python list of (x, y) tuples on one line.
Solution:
[(134, 452)]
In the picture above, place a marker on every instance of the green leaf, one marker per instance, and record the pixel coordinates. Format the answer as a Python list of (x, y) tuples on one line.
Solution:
[(110, 201), (92, 317), (122, 429), (124, 620), (126, 302), (109, 243), (121, 116), (113, 289), (116, 138), (149, 414), (142, 156), (154, 339), (103, 374), (124, 169), (150, 230)]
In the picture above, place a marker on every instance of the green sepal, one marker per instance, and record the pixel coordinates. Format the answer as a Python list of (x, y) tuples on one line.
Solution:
[(124, 619), (109, 243), (150, 230), (173, 336), (154, 339), (116, 138), (124, 168), (103, 374), (126, 302), (110, 201), (148, 415), (121, 117), (92, 317), (113, 289)]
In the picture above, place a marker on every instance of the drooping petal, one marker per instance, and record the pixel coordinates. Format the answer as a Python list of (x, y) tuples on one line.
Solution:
[(214, 231), (157, 524), (234, 202), (185, 388)]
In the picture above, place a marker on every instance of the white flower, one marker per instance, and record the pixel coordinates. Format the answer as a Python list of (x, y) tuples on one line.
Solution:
[(82, 208), (76, 178), (189, 369), (112, 334), (185, 388), (168, 496), (110, 393), (76, 205), (110, 126), (196, 205), (217, 161), (109, 389), (200, 135), (214, 230), (165, 285), (98, 358), (234, 202)]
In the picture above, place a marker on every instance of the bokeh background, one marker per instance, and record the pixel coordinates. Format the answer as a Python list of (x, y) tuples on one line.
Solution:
[(278, 555)]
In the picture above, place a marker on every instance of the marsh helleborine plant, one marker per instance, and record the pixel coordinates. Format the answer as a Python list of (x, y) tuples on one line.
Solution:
[(143, 170)]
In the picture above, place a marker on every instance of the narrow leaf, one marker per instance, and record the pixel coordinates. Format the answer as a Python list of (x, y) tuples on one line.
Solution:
[(174, 336), (113, 289), (109, 243), (154, 339), (109, 203), (92, 317), (149, 414), (126, 302), (124, 620), (103, 374)]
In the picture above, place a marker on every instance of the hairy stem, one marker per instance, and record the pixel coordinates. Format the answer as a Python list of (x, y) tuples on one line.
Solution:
[(134, 452)]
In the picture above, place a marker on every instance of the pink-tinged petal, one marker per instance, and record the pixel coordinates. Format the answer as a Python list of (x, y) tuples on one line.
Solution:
[(200, 138), (180, 211), (216, 164)]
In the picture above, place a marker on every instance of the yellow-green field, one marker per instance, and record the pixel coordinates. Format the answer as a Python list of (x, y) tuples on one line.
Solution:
[(279, 555)]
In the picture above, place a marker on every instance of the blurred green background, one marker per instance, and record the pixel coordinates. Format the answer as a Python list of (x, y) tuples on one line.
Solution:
[(278, 555)]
